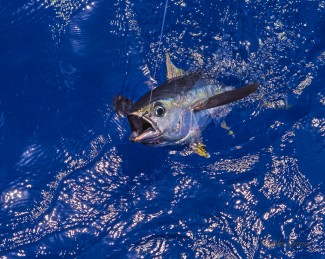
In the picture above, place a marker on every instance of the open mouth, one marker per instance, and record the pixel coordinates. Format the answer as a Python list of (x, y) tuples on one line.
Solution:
[(143, 129)]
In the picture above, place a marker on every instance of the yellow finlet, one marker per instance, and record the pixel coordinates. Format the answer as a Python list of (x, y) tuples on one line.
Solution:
[(200, 149), (226, 127), (172, 70)]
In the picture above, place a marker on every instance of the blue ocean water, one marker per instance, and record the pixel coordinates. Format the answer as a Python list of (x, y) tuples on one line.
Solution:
[(72, 185)]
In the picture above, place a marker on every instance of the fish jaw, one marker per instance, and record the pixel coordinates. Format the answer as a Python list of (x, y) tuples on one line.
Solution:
[(144, 130)]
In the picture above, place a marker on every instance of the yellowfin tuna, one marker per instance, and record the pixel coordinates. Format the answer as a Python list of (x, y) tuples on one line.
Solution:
[(177, 111)]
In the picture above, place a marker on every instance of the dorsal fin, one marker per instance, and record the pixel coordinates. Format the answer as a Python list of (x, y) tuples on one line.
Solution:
[(172, 70), (225, 97)]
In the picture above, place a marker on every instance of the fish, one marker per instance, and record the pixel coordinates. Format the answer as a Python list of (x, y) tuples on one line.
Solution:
[(177, 111)]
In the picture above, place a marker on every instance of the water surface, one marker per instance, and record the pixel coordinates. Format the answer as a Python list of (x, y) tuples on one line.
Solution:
[(72, 185)]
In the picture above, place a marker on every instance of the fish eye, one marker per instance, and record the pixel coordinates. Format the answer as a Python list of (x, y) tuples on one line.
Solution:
[(159, 110)]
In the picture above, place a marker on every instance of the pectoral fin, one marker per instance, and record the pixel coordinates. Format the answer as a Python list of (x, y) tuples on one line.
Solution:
[(122, 105), (226, 97), (200, 149)]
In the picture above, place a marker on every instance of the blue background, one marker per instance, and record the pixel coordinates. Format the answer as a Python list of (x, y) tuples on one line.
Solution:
[(71, 183)]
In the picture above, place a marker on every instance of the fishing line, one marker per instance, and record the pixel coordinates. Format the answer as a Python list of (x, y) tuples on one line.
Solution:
[(159, 44)]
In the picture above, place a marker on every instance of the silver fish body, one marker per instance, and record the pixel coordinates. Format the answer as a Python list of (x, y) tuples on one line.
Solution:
[(177, 111)]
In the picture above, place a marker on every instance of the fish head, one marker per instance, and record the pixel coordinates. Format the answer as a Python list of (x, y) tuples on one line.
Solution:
[(160, 123)]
